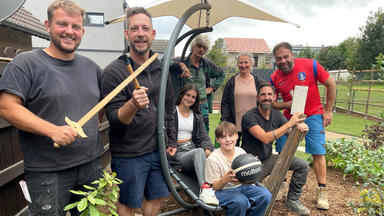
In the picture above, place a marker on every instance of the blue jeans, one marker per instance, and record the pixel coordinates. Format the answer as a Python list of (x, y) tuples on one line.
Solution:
[(280, 143), (244, 200)]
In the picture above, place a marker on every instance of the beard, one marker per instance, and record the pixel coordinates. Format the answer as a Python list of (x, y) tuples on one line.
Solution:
[(57, 43), (266, 106), (288, 69), (140, 51)]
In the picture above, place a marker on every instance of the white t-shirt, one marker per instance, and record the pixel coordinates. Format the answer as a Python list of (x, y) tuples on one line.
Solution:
[(185, 126), (217, 165)]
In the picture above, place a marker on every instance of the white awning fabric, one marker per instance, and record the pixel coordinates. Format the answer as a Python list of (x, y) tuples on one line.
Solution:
[(220, 10)]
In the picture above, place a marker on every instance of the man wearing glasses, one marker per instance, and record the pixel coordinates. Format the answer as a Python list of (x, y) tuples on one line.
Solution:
[(202, 73)]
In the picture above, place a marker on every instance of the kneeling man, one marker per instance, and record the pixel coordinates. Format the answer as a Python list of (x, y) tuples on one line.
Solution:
[(261, 126)]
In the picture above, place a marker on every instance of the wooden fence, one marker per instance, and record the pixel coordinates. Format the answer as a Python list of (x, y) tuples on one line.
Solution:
[(349, 101), (12, 199)]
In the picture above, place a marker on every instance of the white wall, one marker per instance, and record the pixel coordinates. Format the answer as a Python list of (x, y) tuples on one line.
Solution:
[(101, 44)]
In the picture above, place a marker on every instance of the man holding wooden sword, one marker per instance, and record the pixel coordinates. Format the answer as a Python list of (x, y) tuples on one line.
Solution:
[(306, 72), (133, 127), (38, 88)]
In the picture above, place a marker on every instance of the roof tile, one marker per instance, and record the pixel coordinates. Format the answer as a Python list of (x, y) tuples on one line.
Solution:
[(252, 45), (24, 21)]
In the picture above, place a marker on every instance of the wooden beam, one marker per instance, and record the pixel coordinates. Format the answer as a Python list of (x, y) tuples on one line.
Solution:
[(11, 172), (282, 165)]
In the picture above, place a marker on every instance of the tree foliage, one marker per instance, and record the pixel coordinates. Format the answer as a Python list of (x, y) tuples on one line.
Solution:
[(351, 45), (357, 53), (217, 54), (371, 42), (307, 53)]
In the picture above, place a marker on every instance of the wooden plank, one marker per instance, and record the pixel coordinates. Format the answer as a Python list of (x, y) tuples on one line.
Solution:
[(2, 202), (10, 198), (4, 124), (11, 172), (17, 152), (365, 90), (282, 165), (6, 156)]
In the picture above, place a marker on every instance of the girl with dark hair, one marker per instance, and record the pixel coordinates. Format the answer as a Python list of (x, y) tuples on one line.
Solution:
[(194, 144)]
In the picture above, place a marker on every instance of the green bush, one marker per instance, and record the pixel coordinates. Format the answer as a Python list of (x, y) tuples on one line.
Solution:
[(98, 200), (374, 134), (366, 165)]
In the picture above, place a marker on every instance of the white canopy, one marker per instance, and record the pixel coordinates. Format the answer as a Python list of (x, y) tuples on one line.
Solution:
[(220, 10)]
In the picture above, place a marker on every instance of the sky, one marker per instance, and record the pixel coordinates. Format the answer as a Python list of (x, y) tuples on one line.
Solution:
[(322, 22)]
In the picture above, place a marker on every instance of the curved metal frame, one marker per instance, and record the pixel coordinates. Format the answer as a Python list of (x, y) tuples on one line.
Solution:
[(195, 33), (160, 115)]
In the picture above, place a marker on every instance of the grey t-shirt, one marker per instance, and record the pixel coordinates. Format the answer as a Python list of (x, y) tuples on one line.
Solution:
[(52, 89), (252, 118)]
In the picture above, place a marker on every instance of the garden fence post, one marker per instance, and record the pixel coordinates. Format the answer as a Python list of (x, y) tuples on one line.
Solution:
[(369, 93), (353, 99), (350, 91), (334, 105), (282, 165)]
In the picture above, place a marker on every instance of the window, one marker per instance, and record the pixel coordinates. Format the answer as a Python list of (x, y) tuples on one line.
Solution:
[(94, 19), (256, 59)]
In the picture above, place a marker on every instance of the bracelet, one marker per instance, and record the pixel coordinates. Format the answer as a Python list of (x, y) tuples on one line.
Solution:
[(274, 135)]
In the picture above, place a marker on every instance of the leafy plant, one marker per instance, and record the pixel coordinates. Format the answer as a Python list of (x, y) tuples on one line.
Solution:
[(374, 134), (371, 202), (366, 165), (98, 200)]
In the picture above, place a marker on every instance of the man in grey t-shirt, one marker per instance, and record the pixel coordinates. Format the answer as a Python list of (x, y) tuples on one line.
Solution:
[(261, 126), (37, 90)]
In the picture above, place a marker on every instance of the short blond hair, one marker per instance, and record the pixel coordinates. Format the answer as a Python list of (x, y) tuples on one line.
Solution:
[(246, 54), (225, 128), (67, 5)]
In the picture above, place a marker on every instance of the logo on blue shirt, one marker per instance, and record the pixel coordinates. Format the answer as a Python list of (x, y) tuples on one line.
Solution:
[(302, 76)]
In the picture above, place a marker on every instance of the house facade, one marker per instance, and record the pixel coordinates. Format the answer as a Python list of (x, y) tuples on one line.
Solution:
[(101, 43), (257, 47)]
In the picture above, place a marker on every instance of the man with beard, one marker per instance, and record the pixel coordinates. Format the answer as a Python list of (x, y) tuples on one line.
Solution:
[(202, 73), (261, 126), (133, 131), (306, 72), (37, 89)]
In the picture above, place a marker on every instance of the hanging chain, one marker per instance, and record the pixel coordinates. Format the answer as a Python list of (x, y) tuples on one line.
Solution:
[(208, 16)]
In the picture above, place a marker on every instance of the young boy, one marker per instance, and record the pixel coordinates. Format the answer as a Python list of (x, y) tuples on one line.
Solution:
[(236, 198)]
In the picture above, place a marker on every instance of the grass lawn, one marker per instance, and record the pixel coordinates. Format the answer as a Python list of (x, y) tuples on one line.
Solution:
[(347, 124)]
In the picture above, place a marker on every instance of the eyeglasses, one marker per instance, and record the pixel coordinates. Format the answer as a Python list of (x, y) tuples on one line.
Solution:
[(201, 46)]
